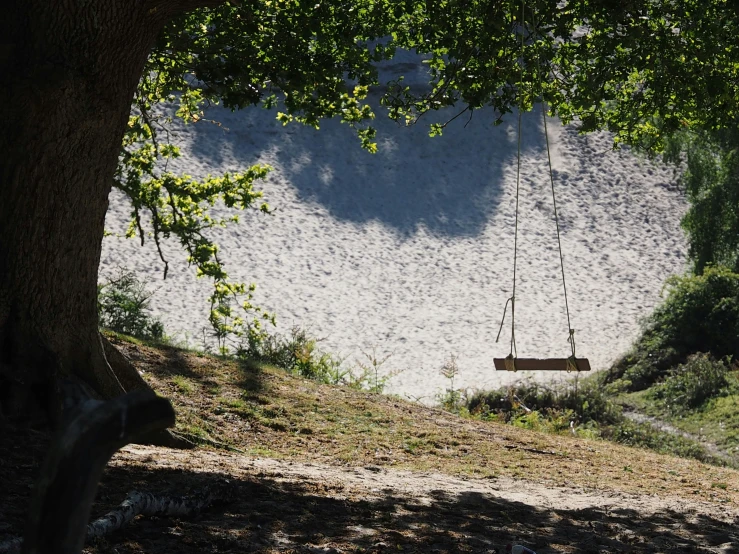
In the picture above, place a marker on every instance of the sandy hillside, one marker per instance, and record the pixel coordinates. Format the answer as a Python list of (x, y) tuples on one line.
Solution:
[(410, 250)]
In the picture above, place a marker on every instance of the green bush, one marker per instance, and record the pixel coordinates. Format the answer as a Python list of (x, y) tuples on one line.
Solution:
[(632, 433), (123, 306), (693, 383), (296, 353), (589, 401), (700, 314)]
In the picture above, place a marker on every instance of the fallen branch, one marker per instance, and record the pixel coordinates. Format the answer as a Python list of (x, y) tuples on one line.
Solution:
[(139, 503), (147, 504)]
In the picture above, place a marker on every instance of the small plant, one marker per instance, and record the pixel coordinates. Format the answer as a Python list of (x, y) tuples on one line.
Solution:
[(451, 399), (296, 353), (123, 307), (370, 376)]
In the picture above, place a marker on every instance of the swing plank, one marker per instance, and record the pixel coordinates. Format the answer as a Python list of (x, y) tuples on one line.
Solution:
[(542, 364)]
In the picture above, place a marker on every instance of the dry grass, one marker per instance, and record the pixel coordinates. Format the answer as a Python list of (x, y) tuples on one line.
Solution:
[(267, 412)]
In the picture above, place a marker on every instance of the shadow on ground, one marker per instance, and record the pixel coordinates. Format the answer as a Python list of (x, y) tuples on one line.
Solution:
[(269, 514)]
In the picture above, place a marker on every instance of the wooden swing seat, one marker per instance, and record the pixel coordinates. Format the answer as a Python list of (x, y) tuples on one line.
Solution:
[(541, 364)]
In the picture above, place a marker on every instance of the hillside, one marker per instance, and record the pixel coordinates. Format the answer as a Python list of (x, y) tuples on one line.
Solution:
[(316, 468), (410, 250)]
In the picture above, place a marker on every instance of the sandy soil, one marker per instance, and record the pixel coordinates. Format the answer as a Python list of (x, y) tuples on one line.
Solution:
[(318, 508), (410, 250)]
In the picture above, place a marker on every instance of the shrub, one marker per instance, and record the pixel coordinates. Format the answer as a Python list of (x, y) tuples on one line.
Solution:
[(632, 433), (123, 306), (693, 383), (296, 353), (585, 402), (700, 314)]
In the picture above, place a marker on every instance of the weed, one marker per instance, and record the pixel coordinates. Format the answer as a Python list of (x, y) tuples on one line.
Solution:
[(370, 376), (183, 384), (452, 398), (296, 353), (123, 307)]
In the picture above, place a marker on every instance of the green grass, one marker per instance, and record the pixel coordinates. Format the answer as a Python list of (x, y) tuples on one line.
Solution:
[(716, 421), (184, 385)]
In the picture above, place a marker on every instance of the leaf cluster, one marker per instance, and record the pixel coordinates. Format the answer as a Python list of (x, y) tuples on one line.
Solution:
[(645, 69)]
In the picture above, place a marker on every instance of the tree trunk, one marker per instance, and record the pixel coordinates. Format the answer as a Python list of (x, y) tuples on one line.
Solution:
[(69, 71)]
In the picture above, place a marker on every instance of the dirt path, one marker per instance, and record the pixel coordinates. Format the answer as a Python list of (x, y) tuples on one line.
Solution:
[(283, 506)]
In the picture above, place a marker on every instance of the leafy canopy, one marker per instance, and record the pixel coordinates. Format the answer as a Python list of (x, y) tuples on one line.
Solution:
[(643, 69)]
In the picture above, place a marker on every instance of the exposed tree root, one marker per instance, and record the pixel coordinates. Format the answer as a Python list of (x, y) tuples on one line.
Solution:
[(91, 434)]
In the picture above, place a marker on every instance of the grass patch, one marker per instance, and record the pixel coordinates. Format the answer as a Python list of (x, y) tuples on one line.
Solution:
[(587, 409), (265, 411), (183, 384), (715, 420)]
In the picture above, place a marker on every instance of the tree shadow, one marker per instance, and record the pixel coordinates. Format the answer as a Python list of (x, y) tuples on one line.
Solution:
[(450, 185), (267, 514), (278, 513)]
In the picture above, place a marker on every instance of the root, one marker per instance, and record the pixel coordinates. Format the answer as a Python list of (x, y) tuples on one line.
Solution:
[(131, 380), (92, 433), (123, 368)]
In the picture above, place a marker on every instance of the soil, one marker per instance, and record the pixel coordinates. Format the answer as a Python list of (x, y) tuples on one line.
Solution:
[(286, 506)]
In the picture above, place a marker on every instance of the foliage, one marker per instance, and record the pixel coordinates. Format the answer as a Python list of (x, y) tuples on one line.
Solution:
[(692, 384), (123, 306), (298, 353), (711, 182), (699, 314), (179, 206), (622, 67), (295, 352), (588, 409), (643, 435), (585, 402)]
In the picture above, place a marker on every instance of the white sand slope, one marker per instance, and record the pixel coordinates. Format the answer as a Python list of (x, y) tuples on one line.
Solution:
[(411, 250)]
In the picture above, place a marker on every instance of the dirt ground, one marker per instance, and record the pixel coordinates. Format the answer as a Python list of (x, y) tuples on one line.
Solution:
[(284, 506)]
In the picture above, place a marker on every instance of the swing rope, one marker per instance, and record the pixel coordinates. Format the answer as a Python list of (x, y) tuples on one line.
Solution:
[(512, 300), (510, 360)]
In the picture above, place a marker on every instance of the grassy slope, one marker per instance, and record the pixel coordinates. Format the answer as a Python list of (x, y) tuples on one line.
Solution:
[(264, 411), (717, 421)]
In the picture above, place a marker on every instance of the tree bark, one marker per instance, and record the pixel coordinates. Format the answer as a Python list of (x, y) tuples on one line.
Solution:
[(69, 71)]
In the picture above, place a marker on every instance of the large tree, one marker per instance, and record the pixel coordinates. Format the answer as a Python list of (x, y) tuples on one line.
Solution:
[(70, 71)]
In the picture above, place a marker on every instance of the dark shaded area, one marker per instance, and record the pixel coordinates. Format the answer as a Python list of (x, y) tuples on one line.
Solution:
[(451, 185), (267, 515)]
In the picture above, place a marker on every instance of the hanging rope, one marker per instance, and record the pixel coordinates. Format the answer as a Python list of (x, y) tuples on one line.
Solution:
[(510, 359), (571, 363), (510, 365)]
